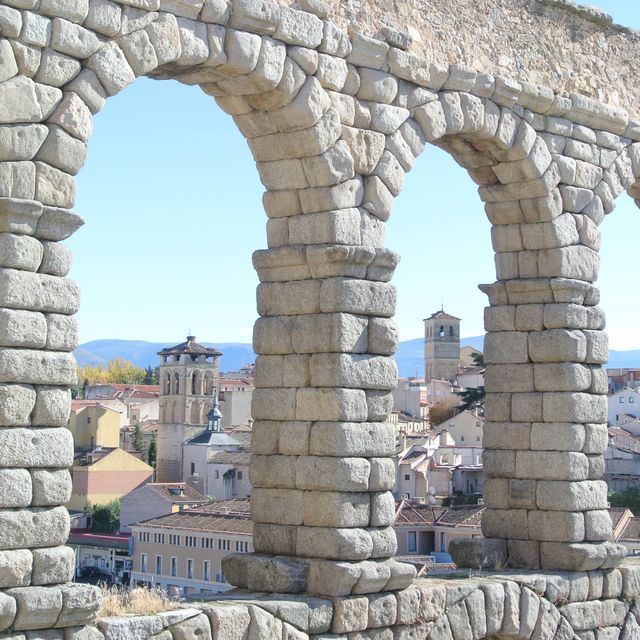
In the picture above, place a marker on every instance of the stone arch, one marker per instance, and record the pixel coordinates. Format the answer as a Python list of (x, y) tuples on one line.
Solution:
[(196, 413), (176, 383), (196, 383), (249, 74)]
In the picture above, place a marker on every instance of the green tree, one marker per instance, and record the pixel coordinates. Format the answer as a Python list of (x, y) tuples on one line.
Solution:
[(148, 376), (85, 384), (106, 517), (478, 359), (629, 498), (471, 398), (138, 440), (152, 452)]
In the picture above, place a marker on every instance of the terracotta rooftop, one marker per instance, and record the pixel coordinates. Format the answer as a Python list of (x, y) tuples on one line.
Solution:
[(197, 520), (150, 388), (616, 514), (631, 532), (190, 346), (410, 513)]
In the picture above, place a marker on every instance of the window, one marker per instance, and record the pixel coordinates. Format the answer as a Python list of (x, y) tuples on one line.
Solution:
[(477, 438), (216, 474), (193, 468), (239, 475), (190, 568), (461, 438), (143, 563), (174, 567), (407, 476), (158, 565), (621, 400), (630, 399), (241, 546), (88, 419), (206, 571), (412, 544)]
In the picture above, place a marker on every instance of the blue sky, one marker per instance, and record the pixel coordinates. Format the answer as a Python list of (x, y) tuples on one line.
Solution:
[(172, 202)]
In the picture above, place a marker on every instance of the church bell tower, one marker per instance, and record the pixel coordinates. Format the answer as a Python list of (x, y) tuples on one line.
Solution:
[(441, 346), (189, 386)]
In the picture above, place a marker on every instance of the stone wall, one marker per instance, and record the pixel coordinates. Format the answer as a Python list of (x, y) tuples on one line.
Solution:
[(568, 47), (334, 122), (593, 605)]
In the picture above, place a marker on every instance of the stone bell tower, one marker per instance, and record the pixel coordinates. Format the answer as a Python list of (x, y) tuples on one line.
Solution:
[(189, 385), (441, 346)]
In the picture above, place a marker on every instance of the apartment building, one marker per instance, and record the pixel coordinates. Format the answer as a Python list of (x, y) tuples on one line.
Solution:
[(182, 552)]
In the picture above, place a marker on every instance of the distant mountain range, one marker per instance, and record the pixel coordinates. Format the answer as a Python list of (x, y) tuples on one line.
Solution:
[(409, 357), (144, 354)]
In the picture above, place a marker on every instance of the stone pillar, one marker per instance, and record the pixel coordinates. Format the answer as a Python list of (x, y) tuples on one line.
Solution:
[(545, 434), (37, 336), (321, 466)]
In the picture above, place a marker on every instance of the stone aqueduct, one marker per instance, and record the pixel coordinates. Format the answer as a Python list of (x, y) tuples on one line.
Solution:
[(334, 122)]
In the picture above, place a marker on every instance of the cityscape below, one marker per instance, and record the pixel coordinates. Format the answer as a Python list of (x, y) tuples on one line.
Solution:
[(161, 481)]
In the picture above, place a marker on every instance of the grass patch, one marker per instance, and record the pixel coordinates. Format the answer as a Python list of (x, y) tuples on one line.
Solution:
[(141, 601)]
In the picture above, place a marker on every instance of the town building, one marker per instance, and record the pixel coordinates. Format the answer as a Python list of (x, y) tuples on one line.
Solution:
[(157, 499), (228, 474), (410, 398), (140, 401), (441, 346), (622, 459), (234, 397), (182, 552), (215, 481), (189, 385), (102, 475), (93, 424), (620, 378), (407, 425), (623, 406), (470, 377), (424, 531), (436, 466), (465, 428), (103, 557)]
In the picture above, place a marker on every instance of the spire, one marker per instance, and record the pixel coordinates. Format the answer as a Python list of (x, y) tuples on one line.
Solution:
[(214, 417)]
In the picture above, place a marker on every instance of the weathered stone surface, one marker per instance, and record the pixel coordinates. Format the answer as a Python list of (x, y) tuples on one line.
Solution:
[(196, 627), (53, 565), (36, 447), (50, 486), (138, 628), (15, 568), (37, 607)]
